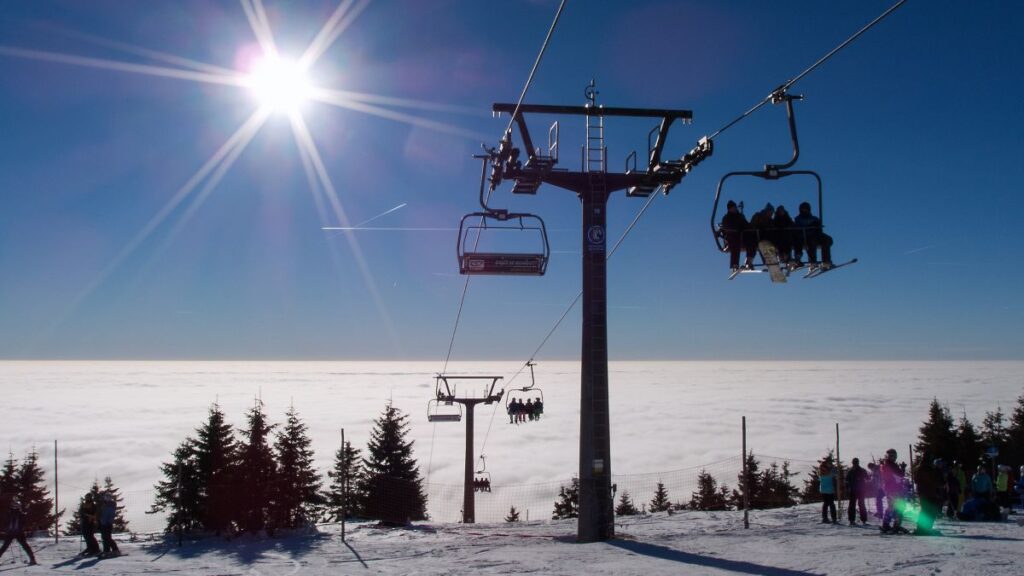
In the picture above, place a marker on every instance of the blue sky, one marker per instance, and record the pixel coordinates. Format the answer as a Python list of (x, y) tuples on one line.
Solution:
[(914, 129)]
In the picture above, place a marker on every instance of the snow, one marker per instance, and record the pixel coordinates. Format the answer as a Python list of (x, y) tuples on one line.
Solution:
[(779, 542)]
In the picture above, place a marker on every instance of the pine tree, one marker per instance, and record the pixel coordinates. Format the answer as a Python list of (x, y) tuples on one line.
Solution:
[(180, 491), (391, 487), (34, 495), (660, 502), (968, 444), (216, 456), (937, 437), (257, 471), (993, 431), (513, 515), (9, 477), (776, 489), (626, 506), (346, 470), (297, 498), (709, 496), (1015, 435), (568, 503)]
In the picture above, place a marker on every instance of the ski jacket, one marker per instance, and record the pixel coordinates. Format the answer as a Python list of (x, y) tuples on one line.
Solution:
[(762, 221), (807, 221), (87, 513), (892, 479), (857, 481), (1003, 482), (929, 484), (734, 222), (827, 483), (16, 523), (981, 485), (108, 510)]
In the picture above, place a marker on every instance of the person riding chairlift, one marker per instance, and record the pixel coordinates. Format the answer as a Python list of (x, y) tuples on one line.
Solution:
[(809, 236)]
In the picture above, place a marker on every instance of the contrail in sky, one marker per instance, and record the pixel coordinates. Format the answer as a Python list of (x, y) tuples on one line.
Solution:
[(400, 206)]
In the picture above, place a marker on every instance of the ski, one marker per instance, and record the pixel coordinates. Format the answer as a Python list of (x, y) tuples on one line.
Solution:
[(816, 270)]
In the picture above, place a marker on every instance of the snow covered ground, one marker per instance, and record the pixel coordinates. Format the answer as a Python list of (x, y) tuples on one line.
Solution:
[(124, 418), (786, 542)]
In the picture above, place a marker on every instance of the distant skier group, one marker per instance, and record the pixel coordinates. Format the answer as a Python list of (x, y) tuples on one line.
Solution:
[(938, 485), (481, 484), (790, 237), (100, 514), (519, 412)]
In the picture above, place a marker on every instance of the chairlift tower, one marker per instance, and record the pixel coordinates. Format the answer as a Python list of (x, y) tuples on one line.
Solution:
[(593, 184), (446, 394)]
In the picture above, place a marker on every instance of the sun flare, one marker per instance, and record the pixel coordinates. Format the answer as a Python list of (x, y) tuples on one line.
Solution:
[(279, 84)]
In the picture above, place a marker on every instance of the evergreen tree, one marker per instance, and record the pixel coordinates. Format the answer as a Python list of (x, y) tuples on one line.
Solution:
[(1015, 435), (216, 455), (346, 469), (568, 503), (994, 433), (660, 502), (297, 497), (709, 495), (392, 491), (34, 495), (257, 471), (968, 444), (513, 515), (776, 491), (937, 437), (9, 477), (626, 507), (180, 491)]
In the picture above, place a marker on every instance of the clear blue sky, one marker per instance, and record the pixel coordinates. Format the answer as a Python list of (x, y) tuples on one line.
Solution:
[(915, 129)]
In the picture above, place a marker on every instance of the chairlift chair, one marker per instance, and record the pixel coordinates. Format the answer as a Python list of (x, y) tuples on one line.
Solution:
[(442, 411), (482, 475), (528, 263), (531, 392)]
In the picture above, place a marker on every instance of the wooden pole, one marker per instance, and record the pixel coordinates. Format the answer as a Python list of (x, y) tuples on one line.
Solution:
[(56, 498), (746, 483), (839, 474), (344, 485)]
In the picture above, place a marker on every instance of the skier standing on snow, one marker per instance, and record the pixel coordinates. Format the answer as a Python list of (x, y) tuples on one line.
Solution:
[(108, 511), (87, 520), (16, 531), (857, 484), (892, 483), (931, 488), (981, 484), (827, 487), (875, 483), (1018, 487), (953, 489)]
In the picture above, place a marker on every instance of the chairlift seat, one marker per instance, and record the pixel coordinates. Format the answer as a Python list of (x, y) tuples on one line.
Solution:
[(444, 417), (503, 263)]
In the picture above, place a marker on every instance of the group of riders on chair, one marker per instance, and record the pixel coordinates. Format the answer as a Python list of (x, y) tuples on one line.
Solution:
[(791, 237)]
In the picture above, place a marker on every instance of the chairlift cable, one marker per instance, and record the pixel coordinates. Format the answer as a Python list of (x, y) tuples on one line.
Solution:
[(786, 86), (536, 64)]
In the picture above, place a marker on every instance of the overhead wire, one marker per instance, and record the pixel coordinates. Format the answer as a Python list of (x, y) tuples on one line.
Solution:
[(781, 89)]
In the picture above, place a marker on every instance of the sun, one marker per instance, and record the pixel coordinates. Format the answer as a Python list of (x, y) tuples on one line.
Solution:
[(279, 84)]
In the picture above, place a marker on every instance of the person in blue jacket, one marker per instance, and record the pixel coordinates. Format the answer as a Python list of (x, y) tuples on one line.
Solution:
[(827, 486), (809, 236)]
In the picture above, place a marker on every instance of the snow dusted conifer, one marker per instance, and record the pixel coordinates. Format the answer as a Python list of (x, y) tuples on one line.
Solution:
[(9, 478), (1015, 434), (626, 506), (513, 515), (257, 471), (345, 497), (216, 454), (391, 489), (994, 432), (709, 495), (937, 436), (568, 503), (180, 490), (297, 498), (34, 495), (660, 502), (968, 444)]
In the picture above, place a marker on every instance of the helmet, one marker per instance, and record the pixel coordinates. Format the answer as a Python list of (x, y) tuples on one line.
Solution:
[(891, 452), (938, 463)]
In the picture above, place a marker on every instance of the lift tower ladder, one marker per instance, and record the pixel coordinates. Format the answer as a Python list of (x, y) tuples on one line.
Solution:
[(593, 184)]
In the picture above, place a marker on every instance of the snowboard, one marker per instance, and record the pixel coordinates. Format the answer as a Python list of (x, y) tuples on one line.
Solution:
[(771, 260), (817, 270)]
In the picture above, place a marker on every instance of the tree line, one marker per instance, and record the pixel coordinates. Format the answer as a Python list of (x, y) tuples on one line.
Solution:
[(261, 477), (999, 440)]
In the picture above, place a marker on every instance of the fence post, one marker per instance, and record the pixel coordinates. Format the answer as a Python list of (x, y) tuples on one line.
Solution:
[(746, 480), (56, 498), (344, 485), (839, 476)]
